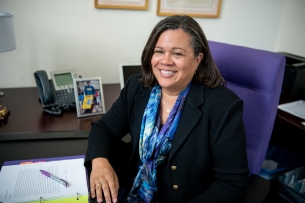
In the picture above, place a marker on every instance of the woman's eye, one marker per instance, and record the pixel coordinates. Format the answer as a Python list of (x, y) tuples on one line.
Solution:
[(178, 54), (158, 51)]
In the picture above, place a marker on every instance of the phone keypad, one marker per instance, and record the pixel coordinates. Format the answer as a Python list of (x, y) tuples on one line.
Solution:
[(62, 96)]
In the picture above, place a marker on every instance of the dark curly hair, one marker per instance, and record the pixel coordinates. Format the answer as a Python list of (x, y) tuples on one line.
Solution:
[(207, 72)]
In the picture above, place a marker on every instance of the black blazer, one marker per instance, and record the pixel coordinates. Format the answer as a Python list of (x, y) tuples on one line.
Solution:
[(207, 161)]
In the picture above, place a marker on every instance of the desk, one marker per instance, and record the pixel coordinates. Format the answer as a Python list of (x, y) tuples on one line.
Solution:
[(290, 120), (42, 145), (27, 113), (31, 133), (288, 131)]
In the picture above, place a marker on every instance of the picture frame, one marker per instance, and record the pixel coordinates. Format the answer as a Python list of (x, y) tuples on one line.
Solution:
[(89, 96), (200, 9), (122, 4)]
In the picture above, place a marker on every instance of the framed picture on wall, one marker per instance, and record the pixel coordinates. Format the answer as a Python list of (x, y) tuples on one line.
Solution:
[(122, 4), (201, 9), (89, 97)]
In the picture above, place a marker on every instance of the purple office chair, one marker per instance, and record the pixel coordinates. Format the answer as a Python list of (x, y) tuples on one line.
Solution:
[(256, 76)]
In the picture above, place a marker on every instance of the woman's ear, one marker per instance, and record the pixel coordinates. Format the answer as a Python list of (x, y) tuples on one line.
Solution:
[(199, 58)]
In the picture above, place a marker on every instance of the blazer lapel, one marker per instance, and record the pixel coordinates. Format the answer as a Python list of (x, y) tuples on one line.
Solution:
[(189, 118)]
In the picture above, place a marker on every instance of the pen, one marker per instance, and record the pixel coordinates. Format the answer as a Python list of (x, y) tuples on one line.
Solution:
[(61, 181)]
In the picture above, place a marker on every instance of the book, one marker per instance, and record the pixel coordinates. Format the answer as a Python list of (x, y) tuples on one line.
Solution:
[(22, 181)]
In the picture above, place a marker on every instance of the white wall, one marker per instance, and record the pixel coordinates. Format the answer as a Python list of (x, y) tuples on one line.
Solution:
[(72, 34), (291, 38)]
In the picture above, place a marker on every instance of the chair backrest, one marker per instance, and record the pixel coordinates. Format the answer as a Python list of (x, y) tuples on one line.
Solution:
[(256, 76)]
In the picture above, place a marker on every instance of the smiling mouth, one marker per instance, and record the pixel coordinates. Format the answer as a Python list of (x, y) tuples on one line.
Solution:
[(167, 72)]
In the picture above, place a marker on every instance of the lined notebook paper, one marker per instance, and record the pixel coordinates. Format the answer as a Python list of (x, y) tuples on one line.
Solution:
[(25, 183)]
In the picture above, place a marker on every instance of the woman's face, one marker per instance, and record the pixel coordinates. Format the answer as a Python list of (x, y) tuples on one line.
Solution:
[(173, 62)]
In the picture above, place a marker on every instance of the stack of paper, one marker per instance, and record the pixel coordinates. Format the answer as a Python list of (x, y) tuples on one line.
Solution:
[(25, 182), (296, 108)]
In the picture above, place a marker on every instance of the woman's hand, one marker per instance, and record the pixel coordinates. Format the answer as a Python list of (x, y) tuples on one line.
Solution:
[(103, 180)]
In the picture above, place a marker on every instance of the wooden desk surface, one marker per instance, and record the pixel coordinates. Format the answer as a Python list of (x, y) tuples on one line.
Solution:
[(290, 120), (26, 113)]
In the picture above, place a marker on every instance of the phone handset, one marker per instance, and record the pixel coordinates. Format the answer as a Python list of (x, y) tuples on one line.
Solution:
[(44, 88)]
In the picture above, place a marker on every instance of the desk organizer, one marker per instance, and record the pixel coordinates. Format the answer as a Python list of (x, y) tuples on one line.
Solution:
[(292, 185), (279, 160)]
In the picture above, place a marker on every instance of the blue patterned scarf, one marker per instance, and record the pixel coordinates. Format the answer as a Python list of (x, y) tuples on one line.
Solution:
[(154, 145)]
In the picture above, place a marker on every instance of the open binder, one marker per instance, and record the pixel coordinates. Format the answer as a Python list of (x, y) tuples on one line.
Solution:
[(67, 163)]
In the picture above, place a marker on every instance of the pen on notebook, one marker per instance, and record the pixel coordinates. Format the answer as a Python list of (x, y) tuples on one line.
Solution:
[(61, 181)]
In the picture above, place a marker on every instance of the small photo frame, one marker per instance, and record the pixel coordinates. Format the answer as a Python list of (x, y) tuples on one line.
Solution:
[(200, 9), (89, 97), (122, 4)]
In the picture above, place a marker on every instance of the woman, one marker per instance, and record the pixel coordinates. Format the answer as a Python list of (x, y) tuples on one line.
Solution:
[(187, 134)]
